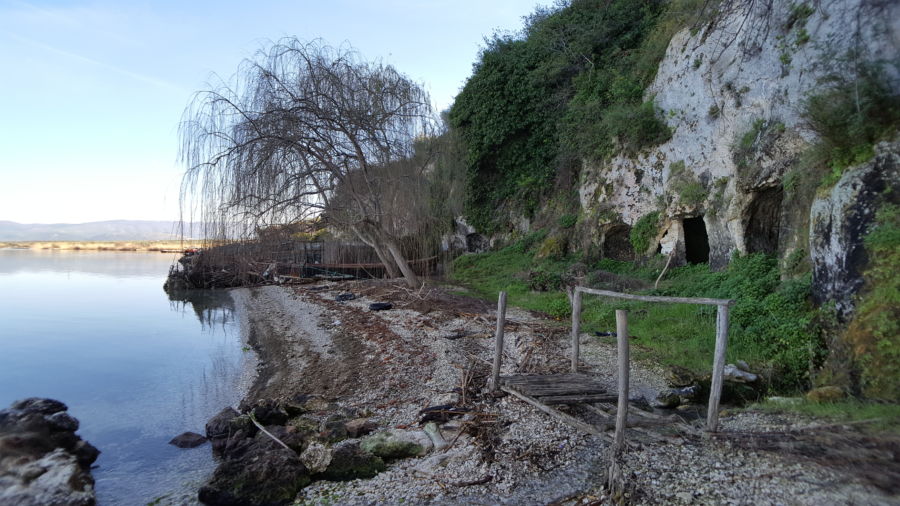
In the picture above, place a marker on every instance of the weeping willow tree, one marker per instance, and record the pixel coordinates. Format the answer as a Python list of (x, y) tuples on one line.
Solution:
[(303, 131)]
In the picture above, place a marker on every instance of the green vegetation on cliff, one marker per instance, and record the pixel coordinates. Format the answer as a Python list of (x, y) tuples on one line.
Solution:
[(568, 87), (875, 331)]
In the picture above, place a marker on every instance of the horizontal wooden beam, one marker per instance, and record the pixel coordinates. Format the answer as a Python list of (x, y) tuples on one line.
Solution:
[(654, 298)]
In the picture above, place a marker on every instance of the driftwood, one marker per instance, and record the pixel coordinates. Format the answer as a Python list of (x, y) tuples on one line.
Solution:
[(498, 342), (264, 431)]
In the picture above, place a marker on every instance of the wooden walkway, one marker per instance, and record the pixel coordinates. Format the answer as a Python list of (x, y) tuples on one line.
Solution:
[(550, 389), (544, 391)]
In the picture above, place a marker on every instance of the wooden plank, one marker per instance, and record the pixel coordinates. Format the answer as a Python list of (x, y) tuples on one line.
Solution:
[(570, 377), (575, 399), (498, 342), (622, 410), (715, 393), (539, 390), (654, 298), (576, 328), (569, 419)]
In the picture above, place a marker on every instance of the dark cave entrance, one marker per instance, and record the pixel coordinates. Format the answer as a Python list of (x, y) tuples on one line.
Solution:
[(617, 243), (764, 221), (696, 240)]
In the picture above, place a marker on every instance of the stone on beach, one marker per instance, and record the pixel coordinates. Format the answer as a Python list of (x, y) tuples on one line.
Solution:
[(397, 444)]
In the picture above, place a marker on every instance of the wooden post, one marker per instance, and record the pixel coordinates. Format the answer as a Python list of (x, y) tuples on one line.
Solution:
[(498, 342), (576, 327), (715, 389), (622, 412)]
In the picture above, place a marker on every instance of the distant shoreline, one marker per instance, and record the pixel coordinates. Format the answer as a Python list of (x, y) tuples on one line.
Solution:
[(171, 246)]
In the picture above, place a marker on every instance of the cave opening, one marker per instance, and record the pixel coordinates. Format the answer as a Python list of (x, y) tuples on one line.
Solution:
[(696, 241), (764, 221), (617, 243)]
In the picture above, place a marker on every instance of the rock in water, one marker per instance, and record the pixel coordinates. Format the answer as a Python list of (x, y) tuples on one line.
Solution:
[(43, 461), (188, 440), (218, 426)]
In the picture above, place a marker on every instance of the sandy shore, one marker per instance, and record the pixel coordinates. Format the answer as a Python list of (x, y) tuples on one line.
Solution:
[(392, 364)]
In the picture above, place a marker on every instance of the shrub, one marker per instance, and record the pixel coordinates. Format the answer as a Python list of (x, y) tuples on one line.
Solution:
[(553, 247), (644, 231), (874, 334), (773, 318), (849, 117), (568, 220), (526, 243)]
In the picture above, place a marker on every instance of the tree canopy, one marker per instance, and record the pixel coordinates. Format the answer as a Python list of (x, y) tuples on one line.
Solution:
[(305, 130)]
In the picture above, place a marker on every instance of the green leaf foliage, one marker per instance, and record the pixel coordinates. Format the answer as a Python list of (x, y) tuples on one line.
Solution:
[(569, 86), (643, 231), (850, 115), (875, 331)]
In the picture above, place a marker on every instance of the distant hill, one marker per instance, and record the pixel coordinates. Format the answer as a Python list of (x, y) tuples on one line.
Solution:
[(114, 230)]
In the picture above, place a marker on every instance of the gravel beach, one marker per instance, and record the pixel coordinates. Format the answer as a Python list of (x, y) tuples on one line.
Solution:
[(433, 348)]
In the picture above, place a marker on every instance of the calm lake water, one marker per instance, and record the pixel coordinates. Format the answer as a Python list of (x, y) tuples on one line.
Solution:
[(96, 331)]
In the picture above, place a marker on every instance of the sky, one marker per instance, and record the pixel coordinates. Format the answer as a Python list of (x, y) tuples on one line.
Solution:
[(92, 92)]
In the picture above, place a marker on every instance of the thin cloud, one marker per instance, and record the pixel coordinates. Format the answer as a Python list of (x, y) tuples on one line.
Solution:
[(91, 61)]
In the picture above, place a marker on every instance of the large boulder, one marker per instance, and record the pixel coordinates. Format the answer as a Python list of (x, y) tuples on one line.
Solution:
[(397, 444), (840, 220), (219, 425), (264, 476), (349, 462), (42, 460)]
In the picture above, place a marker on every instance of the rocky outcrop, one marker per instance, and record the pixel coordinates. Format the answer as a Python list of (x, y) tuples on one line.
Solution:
[(42, 460), (731, 92), (840, 220), (464, 238), (304, 439)]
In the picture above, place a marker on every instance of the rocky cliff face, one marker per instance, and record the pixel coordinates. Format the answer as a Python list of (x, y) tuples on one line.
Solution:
[(841, 218), (732, 92)]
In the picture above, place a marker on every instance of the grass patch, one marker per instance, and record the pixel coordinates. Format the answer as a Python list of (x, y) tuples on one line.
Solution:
[(772, 323), (487, 274)]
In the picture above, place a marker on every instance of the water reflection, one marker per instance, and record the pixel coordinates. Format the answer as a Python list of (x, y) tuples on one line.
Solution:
[(104, 263), (96, 330), (212, 307)]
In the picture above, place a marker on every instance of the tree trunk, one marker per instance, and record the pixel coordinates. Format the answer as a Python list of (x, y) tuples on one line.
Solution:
[(371, 240), (411, 279), (389, 265)]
